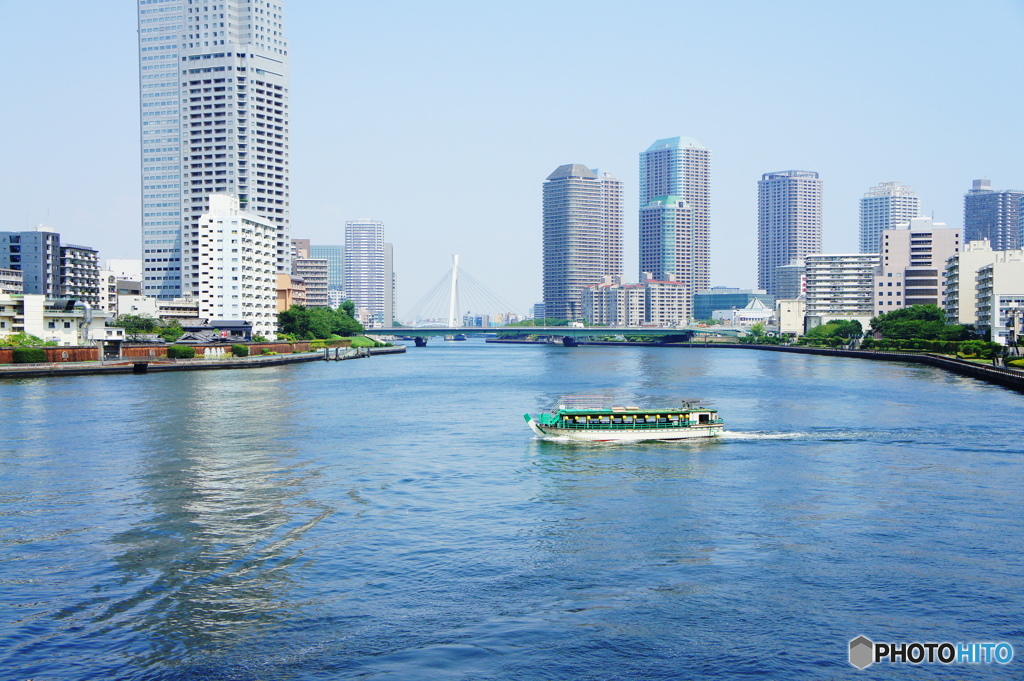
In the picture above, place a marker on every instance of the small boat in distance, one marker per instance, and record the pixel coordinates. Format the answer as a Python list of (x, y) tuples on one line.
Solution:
[(595, 419)]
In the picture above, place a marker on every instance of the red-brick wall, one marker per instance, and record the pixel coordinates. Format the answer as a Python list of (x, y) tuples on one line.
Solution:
[(67, 353)]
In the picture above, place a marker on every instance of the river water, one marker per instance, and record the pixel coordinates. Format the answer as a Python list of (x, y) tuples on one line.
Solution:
[(394, 518)]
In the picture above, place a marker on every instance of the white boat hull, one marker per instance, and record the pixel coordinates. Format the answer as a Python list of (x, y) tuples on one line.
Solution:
[(601, 435)]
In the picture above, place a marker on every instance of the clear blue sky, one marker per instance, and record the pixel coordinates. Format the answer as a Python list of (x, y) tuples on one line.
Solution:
[(443, 119)]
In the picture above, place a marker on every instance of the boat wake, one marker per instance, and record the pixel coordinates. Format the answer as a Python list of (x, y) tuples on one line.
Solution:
[(760, 435)]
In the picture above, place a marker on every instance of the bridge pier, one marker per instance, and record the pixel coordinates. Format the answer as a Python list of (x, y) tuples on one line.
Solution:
[(569, 342), (420, 341)]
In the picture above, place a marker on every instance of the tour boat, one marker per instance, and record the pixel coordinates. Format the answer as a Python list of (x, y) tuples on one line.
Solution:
[(594, 419)]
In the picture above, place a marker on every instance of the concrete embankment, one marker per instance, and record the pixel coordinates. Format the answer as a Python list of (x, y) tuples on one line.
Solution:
[(146, 366), (1009, 378)]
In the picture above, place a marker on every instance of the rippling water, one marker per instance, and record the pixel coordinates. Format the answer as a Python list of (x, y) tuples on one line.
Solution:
[(395, 519)]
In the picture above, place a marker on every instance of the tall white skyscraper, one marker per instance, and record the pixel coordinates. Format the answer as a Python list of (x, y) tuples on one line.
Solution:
[(675, 211), (213, 78), (883, 207), (788, 222)]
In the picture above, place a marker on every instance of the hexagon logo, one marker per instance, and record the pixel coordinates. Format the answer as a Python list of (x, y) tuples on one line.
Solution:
[(862, 652)]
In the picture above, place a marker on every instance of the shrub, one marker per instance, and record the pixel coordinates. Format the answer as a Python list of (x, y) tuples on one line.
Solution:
[(239, 350), (28, 355), (267, 351), (181, 352), (1016, 363)]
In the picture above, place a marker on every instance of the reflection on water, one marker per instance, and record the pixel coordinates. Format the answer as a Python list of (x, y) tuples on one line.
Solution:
[(395, 518)]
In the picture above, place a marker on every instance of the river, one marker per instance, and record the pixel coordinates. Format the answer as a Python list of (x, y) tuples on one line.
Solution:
[(394, 518)]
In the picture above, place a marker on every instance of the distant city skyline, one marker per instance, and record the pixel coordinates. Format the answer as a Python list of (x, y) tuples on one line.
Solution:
[(436, 102)]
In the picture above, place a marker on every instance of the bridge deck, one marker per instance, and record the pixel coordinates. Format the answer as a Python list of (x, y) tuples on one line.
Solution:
[(560, 331)]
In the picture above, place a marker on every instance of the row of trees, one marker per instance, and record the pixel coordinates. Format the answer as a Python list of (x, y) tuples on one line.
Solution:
[(918, 327)]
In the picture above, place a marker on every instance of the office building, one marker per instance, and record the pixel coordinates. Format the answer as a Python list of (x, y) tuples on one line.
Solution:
[(675, 212), (789, 222), (49, 268), (723, 298), (214, 90), (993, 215), (369, 278), (790, 280), (582, 236), (840, 285), (314, 273), (912, 257), (335, 257), (36, 254), (301, 249), (883, 207), (232, 270)]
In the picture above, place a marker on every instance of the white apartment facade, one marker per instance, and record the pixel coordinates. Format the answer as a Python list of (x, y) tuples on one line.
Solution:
[(214, 92), (840, 285), (999, 294), (649, 303), (959, 278), (231, 266)]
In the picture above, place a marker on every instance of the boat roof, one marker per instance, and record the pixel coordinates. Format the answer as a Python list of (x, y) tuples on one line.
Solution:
[(634, 410), (590, 404)]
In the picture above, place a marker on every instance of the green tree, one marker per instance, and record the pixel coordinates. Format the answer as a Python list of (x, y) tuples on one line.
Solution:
[(927, 322), (170, 332), (307, 323), (24, 340), (134, 324)]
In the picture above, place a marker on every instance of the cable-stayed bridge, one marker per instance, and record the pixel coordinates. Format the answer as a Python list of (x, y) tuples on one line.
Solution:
[(457, 289)]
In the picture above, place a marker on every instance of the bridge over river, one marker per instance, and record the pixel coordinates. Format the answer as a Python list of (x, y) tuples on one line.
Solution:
[(568, 335)]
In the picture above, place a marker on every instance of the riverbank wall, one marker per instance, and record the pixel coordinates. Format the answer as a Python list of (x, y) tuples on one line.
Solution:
[(147, 365)]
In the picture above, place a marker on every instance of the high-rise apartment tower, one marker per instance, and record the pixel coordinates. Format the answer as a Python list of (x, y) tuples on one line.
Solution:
[(213, 77), (582, 239), (993, 215), (883, 207), (675, 212), (368, 272), (788, 222)]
